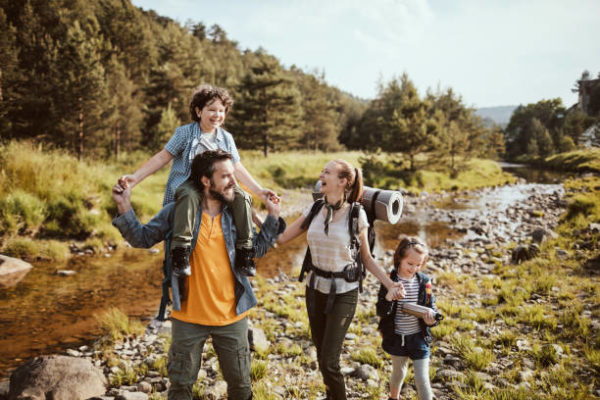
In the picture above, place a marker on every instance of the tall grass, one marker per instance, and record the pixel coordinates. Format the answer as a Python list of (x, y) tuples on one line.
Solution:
[(116, 325), (49, 194)]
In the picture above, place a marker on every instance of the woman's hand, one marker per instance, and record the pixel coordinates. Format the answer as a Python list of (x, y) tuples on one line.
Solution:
[(396, 292), (269, 195)]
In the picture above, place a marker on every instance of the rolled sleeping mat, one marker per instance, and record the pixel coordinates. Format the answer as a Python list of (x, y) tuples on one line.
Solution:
[(385, 205)]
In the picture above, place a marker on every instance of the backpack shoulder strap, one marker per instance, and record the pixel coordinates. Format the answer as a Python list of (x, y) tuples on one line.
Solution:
[(307, 263), (355, 241), (316, 207), (354, 215)]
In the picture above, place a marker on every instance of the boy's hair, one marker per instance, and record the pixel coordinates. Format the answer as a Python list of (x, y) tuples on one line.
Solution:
[(205, 94), (408, 242), (354, 188), (204, 165)]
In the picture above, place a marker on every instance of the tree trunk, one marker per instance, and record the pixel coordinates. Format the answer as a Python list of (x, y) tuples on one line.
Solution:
[(266, 145), (80, 144), (117, 142)]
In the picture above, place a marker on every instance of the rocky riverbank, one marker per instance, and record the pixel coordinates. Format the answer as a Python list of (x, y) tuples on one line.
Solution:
[(492, 340)]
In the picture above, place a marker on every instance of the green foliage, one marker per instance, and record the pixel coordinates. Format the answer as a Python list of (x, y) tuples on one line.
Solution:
[(258, 369), (386, 172), (96, 79), (116, 325), (268, 112), (581, 205), (124, 376), (368, 356), (21, 213), (578, 160)]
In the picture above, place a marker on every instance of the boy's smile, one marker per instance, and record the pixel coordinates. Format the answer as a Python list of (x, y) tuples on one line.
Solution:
[(212, 116)]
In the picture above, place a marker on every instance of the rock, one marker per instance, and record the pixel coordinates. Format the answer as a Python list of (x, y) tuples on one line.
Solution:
[(258, 340), (144, 387), (65, 272), (12, 270), (366, 372), (561, 253), (216, 391), (524, 253), (4, 387), (539, 235), (445, 374), (132, 396), (57, 377), (526, 375)]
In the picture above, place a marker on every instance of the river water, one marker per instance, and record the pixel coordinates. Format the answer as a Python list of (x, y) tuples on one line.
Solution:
[(48, 313)]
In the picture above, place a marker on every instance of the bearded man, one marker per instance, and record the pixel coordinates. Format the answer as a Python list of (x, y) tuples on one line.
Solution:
[(216, 298)]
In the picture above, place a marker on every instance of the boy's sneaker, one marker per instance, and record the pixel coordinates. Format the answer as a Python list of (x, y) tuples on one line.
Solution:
[(180, 257), (244, 261)]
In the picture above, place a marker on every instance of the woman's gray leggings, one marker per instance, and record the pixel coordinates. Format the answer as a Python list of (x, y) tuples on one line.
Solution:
[(400, 367)]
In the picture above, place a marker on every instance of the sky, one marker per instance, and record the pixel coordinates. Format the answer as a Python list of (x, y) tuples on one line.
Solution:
[(492, 53)]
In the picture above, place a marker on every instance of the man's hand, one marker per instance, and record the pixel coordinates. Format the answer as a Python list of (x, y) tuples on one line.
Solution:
[(127, 181), (122, 197), (273, 204)]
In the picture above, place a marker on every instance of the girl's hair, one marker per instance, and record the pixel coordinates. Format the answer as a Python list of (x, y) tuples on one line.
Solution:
[(410, 242), (354, 187), (205, 94)]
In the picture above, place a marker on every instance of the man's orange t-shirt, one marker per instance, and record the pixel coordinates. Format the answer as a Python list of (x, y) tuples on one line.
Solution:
[(210, 293)]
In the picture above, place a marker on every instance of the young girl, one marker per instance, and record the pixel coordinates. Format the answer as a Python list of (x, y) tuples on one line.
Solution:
[(406, 336)]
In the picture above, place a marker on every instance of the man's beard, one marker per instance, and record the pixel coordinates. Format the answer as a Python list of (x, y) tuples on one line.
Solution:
[(218, 195)]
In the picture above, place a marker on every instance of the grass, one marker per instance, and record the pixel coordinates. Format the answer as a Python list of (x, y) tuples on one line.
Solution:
[(116, 325), (368, 356), (47, 195), (578, 160), (258, 369)]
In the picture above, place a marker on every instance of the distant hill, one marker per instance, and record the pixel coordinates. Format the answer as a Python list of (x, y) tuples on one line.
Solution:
[(500, 115)]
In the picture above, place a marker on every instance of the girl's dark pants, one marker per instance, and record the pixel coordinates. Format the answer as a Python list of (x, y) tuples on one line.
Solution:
[(328, 332)]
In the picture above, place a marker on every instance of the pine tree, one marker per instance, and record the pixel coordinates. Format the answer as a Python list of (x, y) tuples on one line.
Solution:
[(268, 105), (320, 128), (84, 91), (404, 123), (124, 109), (8, 72)]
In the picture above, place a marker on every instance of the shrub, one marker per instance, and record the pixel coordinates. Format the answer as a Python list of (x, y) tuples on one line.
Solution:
[(580, 205), (368, 356), (21, 213), (258, 369), (115, 324)]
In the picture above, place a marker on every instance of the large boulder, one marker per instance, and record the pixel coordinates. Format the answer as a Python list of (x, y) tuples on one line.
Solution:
[(56, 377), (12, 270)]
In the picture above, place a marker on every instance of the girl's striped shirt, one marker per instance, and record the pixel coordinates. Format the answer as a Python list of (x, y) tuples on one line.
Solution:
[(406, 324)]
